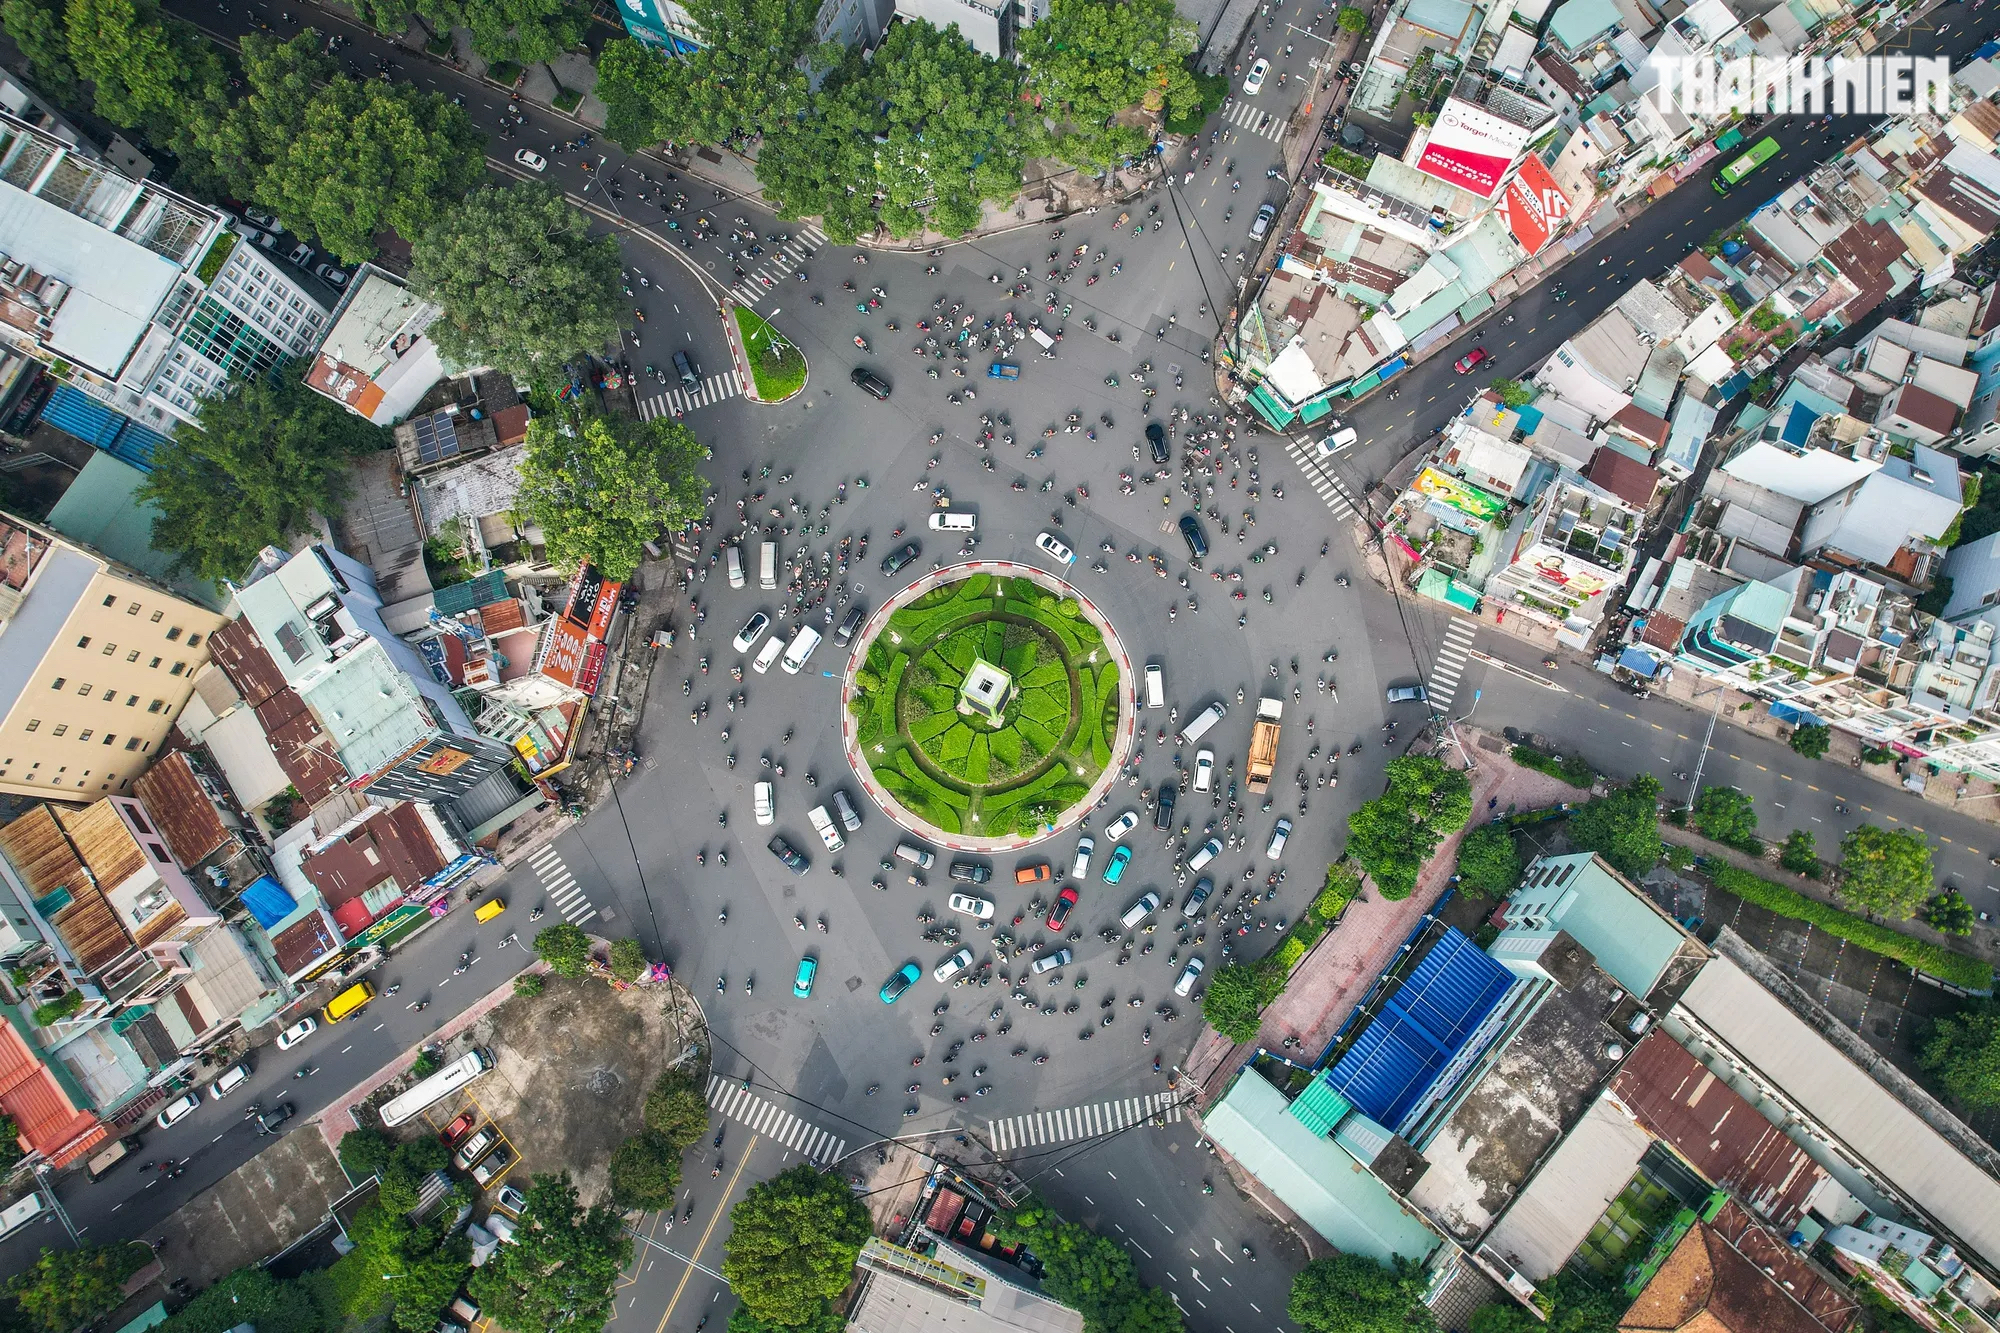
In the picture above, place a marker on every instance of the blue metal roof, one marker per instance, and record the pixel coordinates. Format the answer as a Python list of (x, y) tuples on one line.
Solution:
[(77, 413), (1419, 1028), (268, 902)]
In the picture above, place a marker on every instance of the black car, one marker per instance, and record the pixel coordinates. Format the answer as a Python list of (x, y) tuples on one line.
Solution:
[(845, 634), (1163, 814), (789, 854), (1191, 906), (870, 383), (1197, 540), (268, 1122), (1156, 435), (971, 872), (899, 557)]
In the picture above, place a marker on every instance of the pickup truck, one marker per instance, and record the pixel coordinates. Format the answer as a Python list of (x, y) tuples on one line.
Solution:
[(1002, 370), (1264, 744)]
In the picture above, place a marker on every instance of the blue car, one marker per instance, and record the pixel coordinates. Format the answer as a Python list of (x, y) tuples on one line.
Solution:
[(903, 978), (802, 981), (1114, 869)]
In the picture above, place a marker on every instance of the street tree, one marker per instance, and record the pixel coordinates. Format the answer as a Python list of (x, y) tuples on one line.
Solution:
[(1488, 864), (526, 32), (1726, 815), (1353, 1293), (153, 74), (39, 31), (565, 948), (1394, 834), (825, 1319), (750, 76), (638, 87), (1090, 60), (1351, 19), (1962, 1053), (268, 454), (523, 283), (1811, 739), (645, 1172), (1088, 1272), (65, 1288), (562, 1267), (792, 1243), (252, 1296), (1234, 1002), (601, 487), (1622, 827), (1949, 913), (1884, 871), (628, 959), (1800, 853), (675, 1109)]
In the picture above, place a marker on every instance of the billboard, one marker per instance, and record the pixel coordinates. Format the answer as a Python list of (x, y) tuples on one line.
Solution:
[(1472, 148), (1467, 499), (1533, 205)]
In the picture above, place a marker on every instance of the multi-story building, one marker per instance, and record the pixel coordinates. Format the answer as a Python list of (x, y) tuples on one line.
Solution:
[(375, 360), (95, 663), (1567, 557)]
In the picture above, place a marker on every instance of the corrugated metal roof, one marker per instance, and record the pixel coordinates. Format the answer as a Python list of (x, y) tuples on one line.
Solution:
[(1570, 1192), (1319, 1108), (460, 597), (180, 809)]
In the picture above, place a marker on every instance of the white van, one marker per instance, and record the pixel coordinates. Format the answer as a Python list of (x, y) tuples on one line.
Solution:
[(734, 555), (917, 856), (1156, 686), (767, 566), (823, 825), (232, 1078), (801, 648), (1198, 727), (954, 521), (769, 653)]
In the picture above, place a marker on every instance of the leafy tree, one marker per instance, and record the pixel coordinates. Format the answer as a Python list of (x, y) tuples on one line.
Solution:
[(529, 984), (675, 1109), (1351, 19), (1884, 871), (792, 1243), (1573, 1305), (1353, 1293), (562, 1267), (1088, 1272), (365, 1152), (1962, 1052), (70, 1287), (10, 1142), (825, 1319), (565, 948), (1488, 864), (38, 29), (628, 960), (1394, 834), (1811, 740), (600, 488), (1800, 854), (1089, 60), (1512, 393), (1342, 886), (749, 76), (1726, 815), (149, 73), (526, 32), (250, 1296), (1949, 913), (1622, 827), (385, 16), (638, 87), (268, 455), (645, 1172), (523, 284), (1235, 1000)]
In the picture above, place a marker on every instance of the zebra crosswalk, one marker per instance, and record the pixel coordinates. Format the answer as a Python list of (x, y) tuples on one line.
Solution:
[(760, 281), (1080, 1122), (680, 402), (732, 1099), (1450, 664), (1322, 479), (1246, 115), (561, 886)]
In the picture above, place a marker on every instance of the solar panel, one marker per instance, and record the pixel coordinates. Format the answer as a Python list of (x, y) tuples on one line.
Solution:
[(437, 437)]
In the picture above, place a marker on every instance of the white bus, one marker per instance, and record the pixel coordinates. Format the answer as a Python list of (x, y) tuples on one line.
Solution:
[(435, 1088)]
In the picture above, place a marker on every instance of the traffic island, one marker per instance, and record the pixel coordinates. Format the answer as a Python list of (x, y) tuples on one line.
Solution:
[(771, 366)]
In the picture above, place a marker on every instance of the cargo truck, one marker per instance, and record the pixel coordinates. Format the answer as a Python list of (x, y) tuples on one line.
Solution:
[(1264, 744)]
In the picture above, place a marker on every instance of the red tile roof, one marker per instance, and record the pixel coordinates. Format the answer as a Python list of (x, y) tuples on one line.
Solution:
[(48, 1121), (510, 424), (1707, 1286), (1641, 425), (302, 943), (1934, 413), (499, 617), (389, 844)]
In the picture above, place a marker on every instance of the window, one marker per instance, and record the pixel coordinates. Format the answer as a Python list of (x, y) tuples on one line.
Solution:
[(193, 639), (156, 705), (173, 633), (159, 853), (84, 689), (86, 734), (131, 701), (111, 599), (83, 642), (132, 656), (158, 616), (110, 648), (58, 683), (34, 724), (109, 737), (60, 729), (155, 663), (111, 696), (178, 668), (132, 744)]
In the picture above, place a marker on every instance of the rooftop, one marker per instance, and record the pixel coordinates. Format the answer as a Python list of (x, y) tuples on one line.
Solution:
[(1627, 934), (181, 808), (1708, 1286)]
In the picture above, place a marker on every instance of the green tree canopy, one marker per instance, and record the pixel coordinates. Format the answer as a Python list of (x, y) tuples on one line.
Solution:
[(645, 1172), (153, 74), (1088, 1272), (1353, 1293), (749, 78), (1811, 740), (602, 487), (565, 948), (825, 1319), (1726, 815), (1351, 19), (1949, 913), (1962, 1053), (70, 1287), (675, 1109), (792, 1243), (1488, 864), (628, 959), (39, 30), (526, 32), (250, 1296), (1883, 871), (1394, 834), (1234, 1002), (561, 1270), (523, 283), (1622, 827), (269, 454), (1800, 854), (1574, 1306), (1089, 60)]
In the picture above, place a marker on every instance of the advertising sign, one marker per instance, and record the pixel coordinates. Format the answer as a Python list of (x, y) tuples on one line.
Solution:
[(1533, 205), (1466, 499), (1472, 148)]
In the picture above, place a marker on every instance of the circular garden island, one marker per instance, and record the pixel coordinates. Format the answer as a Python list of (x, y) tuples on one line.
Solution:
[(987, 706)]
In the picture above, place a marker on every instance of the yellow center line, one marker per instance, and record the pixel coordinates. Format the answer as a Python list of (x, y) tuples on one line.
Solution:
[(694, 1254)]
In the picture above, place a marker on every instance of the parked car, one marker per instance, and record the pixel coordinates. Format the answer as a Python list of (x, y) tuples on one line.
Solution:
[(176, 1110), (968, 871), (456, 1130), (899, 981), (531, 159), (802, 980), (229, 1081), (329, 274), (491, 1166), (475, 1147), (1262, 222), (1114, 869), (789, 854), (1465, 363), (510, 1200), (297, 1032), (1065, 904), (501, 1226), (300, 254)]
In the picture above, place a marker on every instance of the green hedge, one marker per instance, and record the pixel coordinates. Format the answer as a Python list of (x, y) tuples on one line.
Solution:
[(1571, 769), (1957, 968)]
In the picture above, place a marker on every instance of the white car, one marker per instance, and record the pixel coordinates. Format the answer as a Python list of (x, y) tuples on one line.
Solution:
[(1207, 852), (534, 161), (753, 630), (331, 274), (764, 799), (175, 1110), (1121, 826), (1276, 848), (1204, 769), (1253, 82), (1188, 975), (1052, 546), (972, 905), (1080, 868), (297, 1032), (952, 965)]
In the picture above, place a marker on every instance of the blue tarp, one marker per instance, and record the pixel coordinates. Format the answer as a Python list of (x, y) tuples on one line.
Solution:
[(1639, 662), (1793, 714), (268, 902), (1396, 367)]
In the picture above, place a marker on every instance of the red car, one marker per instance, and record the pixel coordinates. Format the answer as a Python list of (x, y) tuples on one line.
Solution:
[(456, 1129), (1060, 912), (1471, 359)]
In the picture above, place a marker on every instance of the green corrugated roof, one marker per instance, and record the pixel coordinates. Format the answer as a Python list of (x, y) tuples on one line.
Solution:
[(459, 598), (1320, 1107)]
